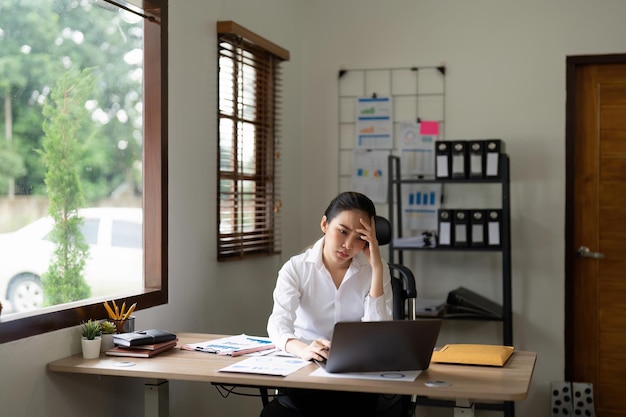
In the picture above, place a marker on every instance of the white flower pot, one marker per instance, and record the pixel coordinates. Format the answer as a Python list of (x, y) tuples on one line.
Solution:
[(91, 348), (107, 342)]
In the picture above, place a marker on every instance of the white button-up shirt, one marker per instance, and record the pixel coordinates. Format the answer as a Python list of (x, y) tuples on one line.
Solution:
[(307, 304)]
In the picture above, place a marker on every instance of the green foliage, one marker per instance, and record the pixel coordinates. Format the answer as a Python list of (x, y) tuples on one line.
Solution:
[(108, 327), (62, 149), (11, 162), (40, 39), (90, 329)]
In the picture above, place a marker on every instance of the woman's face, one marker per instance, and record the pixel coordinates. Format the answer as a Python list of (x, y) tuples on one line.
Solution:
[(342, 242)]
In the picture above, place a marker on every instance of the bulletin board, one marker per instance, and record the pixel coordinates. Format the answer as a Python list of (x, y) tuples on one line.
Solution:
[(380, 111)]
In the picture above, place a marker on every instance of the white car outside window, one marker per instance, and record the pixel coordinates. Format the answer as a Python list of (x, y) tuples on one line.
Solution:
[(114, 266)]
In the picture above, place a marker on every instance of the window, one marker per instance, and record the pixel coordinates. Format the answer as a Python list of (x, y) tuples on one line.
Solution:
[(248, 145), (90, 231), (82, 21)]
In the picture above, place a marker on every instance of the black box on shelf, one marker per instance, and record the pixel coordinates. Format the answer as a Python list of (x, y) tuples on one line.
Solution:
[(459, 158), (493, 149), (477, 219), (443, 159), (476, 151), (461, 228), (494, 228), (445, 231)]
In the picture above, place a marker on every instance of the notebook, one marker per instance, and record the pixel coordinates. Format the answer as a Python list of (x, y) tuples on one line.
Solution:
[(373, 346)]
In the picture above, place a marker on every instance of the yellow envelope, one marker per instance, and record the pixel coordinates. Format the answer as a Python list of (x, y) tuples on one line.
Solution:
[(473, 354)]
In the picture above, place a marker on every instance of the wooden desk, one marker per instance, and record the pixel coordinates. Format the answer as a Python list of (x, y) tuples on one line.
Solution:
[(468, 383)]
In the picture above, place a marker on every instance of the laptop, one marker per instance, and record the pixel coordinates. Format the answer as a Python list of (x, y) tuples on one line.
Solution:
[(375, 346)]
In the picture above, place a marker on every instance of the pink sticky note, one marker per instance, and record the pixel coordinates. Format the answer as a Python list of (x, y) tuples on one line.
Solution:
[(429, 128)]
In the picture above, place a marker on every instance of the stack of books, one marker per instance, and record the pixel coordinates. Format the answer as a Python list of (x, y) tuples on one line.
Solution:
[(142, 344)]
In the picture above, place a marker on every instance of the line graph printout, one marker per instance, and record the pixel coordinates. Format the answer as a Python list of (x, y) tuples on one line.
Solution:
[(374, 123)]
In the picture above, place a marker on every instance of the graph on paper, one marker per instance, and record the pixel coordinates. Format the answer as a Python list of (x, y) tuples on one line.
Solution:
[(374, 123), (420, 205)]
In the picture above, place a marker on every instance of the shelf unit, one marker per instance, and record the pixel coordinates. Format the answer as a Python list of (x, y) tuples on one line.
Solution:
[(395, 218)]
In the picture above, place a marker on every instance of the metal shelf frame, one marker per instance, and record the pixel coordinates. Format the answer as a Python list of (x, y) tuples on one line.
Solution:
[(395, 218)]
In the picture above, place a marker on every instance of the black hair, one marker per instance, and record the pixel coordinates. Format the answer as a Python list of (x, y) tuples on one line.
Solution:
[(349, 200)]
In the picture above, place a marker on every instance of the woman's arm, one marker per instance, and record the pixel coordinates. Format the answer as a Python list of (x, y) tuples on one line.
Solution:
[(372, 252), (286, 296)]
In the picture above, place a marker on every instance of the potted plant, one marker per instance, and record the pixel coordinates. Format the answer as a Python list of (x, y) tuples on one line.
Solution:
[(91, 339), (108, 329)]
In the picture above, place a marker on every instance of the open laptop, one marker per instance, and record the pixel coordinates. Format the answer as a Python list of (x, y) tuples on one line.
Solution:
[(373, 346)]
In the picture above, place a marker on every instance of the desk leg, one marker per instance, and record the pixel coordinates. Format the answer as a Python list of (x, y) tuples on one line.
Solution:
[(156, 398), (464, 408)]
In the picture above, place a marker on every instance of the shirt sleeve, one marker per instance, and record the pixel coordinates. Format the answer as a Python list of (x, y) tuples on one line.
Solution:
[(280, 325), (380, 308)]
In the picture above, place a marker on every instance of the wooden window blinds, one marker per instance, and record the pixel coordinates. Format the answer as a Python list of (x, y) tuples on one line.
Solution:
[(248, 146)]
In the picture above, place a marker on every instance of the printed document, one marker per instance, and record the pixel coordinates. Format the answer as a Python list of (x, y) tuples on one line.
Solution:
[(267, 365), (232, 345)]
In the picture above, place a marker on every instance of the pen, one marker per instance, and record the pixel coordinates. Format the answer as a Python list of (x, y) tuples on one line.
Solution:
[(258, 340)]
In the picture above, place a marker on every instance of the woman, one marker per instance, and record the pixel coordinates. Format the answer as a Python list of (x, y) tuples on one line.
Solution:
[(341, 278)]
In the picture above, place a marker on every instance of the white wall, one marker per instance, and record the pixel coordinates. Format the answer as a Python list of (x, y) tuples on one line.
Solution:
[(506, 79)]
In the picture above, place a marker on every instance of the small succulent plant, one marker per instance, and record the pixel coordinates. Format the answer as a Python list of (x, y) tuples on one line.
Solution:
[(107, 327), (91, 329)]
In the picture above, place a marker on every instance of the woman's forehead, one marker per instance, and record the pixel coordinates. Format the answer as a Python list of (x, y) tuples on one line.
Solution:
[(350, 218)]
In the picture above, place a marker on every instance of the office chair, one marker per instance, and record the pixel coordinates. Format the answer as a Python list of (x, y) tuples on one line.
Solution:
[(404, 298), (402, 279)]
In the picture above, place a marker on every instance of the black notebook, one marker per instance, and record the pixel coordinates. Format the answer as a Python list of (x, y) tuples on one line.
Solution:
[(144, 337), (465, 302)]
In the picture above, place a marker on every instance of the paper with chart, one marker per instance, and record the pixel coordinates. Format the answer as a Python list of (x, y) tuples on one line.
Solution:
[(232, 345), (374, 123), (416, 144), (267, 365), (420, 204), (369, 174)]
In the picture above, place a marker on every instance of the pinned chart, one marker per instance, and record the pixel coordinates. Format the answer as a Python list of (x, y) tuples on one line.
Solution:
[(370, 174), (374, 123), (416, 142)]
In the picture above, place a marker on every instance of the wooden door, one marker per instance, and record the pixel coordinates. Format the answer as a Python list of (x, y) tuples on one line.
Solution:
[(595, 327)]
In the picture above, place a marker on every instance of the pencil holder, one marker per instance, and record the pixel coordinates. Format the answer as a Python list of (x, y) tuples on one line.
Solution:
[(125, 326)]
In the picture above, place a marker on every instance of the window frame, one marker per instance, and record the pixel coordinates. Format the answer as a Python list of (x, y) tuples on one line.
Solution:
[(155, 209), (265, 57)]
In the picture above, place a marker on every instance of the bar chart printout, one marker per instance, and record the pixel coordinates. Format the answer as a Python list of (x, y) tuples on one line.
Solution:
[(420, 205)]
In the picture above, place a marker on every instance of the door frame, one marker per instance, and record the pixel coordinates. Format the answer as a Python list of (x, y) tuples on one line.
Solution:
[(573, 64)]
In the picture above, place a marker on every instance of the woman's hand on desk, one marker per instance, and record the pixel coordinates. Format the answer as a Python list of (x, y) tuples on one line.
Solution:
[(316, 350)]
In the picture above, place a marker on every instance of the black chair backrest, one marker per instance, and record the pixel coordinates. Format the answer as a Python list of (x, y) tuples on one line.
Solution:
[(402, 279), (383, 230)]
